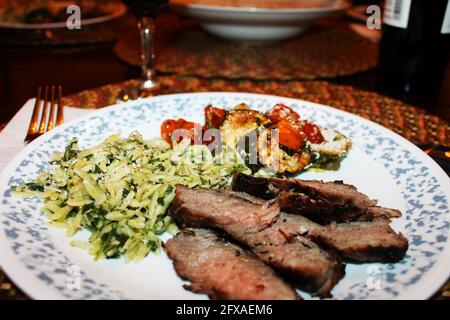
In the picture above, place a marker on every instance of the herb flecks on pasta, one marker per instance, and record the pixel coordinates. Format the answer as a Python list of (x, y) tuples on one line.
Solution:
[(120, 190)]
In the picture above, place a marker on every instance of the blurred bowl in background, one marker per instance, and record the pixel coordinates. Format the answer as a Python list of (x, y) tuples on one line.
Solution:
[(108, 12), (260, 22), (98, 25)]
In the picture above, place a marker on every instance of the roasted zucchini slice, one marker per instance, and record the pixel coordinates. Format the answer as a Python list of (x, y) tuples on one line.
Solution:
[(278, 159), (239, 122)]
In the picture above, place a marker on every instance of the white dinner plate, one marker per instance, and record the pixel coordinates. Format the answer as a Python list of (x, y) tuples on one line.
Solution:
[(39, 259)]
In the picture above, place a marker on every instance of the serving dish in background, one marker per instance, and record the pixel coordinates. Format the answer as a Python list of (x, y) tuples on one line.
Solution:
[(95, 28), (257, 22), (104, 12)]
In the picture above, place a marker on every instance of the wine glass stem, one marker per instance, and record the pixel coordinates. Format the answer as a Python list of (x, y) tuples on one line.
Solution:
[(147, 31)]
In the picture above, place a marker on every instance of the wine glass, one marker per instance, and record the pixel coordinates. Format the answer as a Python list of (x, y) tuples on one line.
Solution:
[(145, 11)]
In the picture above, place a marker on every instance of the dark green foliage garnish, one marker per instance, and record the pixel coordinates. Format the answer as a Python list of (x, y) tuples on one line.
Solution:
[(111, 158), (328, 162), (94, 217), (34, 187), (71, 150), (97, 169)]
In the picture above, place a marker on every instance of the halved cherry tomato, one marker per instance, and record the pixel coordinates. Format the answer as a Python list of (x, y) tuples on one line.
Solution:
[(193, 129), (181, 123), (214, 117), (289, 136), (167, 127), (312, 132), (280, 112)]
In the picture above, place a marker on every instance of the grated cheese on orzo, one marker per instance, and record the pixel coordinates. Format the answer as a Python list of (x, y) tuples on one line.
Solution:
[(120, 190)]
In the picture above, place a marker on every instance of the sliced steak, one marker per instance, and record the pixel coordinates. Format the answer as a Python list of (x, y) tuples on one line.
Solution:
[(223, 210), (321, 211), (322, 202), (312, 268), (380, 212), (301, 260), (223, 270), (373, 241), (340, 194), (264, 188)]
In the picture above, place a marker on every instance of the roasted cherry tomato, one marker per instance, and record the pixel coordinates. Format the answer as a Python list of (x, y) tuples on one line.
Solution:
[(192, 127), (289, 136), (280, 112), (214, 117), (312, 132), (181, 123), (167, 127)]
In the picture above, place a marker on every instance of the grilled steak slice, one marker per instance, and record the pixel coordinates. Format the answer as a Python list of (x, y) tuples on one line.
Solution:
[(321, 211), (325, 212), (322, 202), (373, 241), (223, 270), (227, 211), (283, 246), (312, 268), (380, 212), (264, 188)]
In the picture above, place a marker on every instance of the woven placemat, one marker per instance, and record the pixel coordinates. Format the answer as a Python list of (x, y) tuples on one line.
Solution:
[(413, 123), (185, 49)]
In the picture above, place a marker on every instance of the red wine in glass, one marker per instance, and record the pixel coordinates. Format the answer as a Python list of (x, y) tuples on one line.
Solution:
[(146, 11)]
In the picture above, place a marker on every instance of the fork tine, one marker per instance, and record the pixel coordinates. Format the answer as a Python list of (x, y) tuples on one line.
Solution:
[(44, 113), (60, 111), (51, 117), (47, 122), (32, 128)]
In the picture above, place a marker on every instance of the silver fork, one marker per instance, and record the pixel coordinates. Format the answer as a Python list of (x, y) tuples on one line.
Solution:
[(42, 120)]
